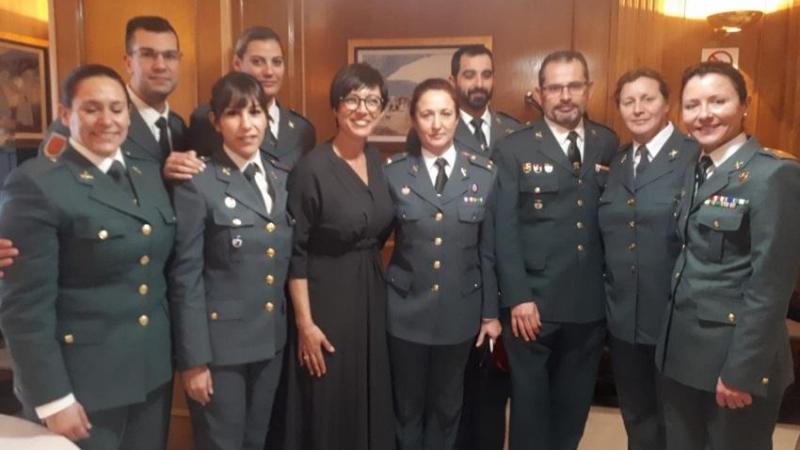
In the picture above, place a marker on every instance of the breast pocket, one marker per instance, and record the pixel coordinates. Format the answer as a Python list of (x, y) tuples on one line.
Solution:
[(99, 230), (716, 225), (230, 231)]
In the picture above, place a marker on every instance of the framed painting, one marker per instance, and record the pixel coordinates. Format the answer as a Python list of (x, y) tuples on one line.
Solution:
[(403, 64), (23, 89)]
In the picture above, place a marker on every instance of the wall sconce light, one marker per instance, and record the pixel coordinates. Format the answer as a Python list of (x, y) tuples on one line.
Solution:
[(733, 21)]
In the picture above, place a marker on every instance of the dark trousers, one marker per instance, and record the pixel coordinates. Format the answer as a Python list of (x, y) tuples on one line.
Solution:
[(239, 412), (140, 426), (428, 384), (694, 421), (552, 383), (636, 378), (483, 414)]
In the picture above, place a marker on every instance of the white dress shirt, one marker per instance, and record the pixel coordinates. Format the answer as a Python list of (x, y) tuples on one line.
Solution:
[(486, 125), (261, 178), (429, 158), (150, 115), (561, 134), (274, 117), (723, 152), (653, 147)]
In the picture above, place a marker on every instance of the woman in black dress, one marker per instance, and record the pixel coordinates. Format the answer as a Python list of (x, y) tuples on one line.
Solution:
[(343, 211)]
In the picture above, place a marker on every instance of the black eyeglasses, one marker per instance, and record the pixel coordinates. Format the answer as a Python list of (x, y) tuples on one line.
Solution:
[(373, 103), (574, 88), (151, 55)]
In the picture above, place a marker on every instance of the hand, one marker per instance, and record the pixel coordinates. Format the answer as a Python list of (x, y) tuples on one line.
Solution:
[(7, 254), (312, 341), (198, 385), (731, 398), (182, 166), (491, 328), (71, 422), (525, 321)]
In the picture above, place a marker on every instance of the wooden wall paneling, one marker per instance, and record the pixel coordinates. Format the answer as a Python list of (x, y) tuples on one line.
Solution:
[(770, 59), (15, 19), (66, 43), (214, 43), (591, 35), (790, 128)]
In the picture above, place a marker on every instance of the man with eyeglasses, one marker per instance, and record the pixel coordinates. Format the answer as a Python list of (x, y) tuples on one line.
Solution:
[(152, 59), (550, 258), (259, 52), (480, 127)]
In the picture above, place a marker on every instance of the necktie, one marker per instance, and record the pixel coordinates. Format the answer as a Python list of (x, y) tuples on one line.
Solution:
[(644, 160), (701, 170), (163, 136), (250, 173), (118, 173), (477, 123), (441, 177), (573, 153), (270, 137)]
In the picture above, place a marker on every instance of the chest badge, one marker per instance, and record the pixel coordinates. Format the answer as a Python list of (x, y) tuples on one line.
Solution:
[(86, 176), (538, 204), (744, 176), (236, 242), (230, 202), (673, 154), (464, 172), (738, 165), (537, 168), (474, 188), (226, 171), (538, 135), (548, 168), (527, 167), (405, 190)]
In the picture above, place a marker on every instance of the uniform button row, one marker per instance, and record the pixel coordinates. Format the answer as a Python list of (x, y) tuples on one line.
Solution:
[(269, 307), (437, 241), (270, 253), (579, 225)]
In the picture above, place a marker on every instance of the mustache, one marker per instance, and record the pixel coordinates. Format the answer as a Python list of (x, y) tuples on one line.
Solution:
[(479, 90)]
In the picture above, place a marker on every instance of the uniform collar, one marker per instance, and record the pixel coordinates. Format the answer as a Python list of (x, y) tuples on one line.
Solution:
[(148, 113), (561, 133), (274, 113), (657, 142), (726, 150), (429, 158), (242, 163), (103, 163)]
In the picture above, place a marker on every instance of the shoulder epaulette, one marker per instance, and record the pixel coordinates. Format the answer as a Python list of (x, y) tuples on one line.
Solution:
[(506, 116), (780, 154), (480, 161), (279, 165), (602, 127), (396, 157)]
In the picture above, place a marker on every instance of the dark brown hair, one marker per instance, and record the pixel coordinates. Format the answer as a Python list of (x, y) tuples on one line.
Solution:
[(236, 90), (720, 68), (432, 84), (353, 77), (70, 85), (642, 72)]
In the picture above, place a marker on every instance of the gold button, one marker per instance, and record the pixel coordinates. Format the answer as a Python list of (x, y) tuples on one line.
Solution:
[(143, 289), (437, 241), (731, 317), (632, 224), (437, 265), (580, 247), (631, 202), (716, 224), (103, 235), (213, 316), (269, 306), (677, 275), (579, 225), (438, 217), (580, 181), (633, 267), (270, 280), (144, 320), (537, 190), (147, 229), (236, 221), (765, 381), (632, 246), (579, 203), (69, 339), (435, 288), (270, 227), (270, 252), (144, 260), (683, 246)]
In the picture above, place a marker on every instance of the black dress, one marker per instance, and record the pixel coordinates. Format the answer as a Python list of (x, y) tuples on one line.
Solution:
[(341, 225)]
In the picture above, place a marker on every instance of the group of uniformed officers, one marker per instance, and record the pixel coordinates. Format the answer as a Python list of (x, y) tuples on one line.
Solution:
[(521, 251)]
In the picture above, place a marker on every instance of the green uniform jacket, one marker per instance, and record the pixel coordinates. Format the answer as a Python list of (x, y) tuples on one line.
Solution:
[(734, 277), (84, 306)]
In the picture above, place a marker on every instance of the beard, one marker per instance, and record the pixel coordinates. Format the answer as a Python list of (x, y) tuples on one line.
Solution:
[(476, 98)]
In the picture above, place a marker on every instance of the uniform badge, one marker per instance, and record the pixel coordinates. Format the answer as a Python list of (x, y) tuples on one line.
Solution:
[(236, 242), (624, 157), (527, 167), (600, 168), (594, 132), (136, 170), (474, 188), (415, 168), (230, 202), (464, 172), (86, 176), (388, 160), (538, 204), (538, 135), (548, 168), (673, 154), (738, 165), (744, 176), (55, 145), (405, 190), (226, 171), (509, 131), (537, 168), (291, 124), (237, 222)]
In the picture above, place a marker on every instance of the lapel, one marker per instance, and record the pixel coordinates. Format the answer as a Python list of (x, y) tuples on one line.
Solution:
[(591, 156), (275, 178), (663, 163), (725, 172), (286, 137), (549, 146), (101, 188), (140, 134), (421, 180), (626, 170), (458, 181), (467, 139), (237, 185), (687, 194)]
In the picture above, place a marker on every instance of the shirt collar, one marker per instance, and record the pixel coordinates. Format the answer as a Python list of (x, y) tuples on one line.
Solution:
[(449, 155), (148, 113), (561, 133), (242, 163), (103, 163), (274, 113), (726, 150), (467, 118), (657, 142)]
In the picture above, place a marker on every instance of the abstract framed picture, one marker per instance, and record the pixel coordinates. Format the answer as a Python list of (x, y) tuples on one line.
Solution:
[(23, 89), (403, 64)]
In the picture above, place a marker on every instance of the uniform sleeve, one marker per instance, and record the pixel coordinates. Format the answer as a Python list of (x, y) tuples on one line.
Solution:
[(201, 136), (486, 250), (303, 204), (308, 139), (775, 261), (510, 263), (187, 288), (30, 290)]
